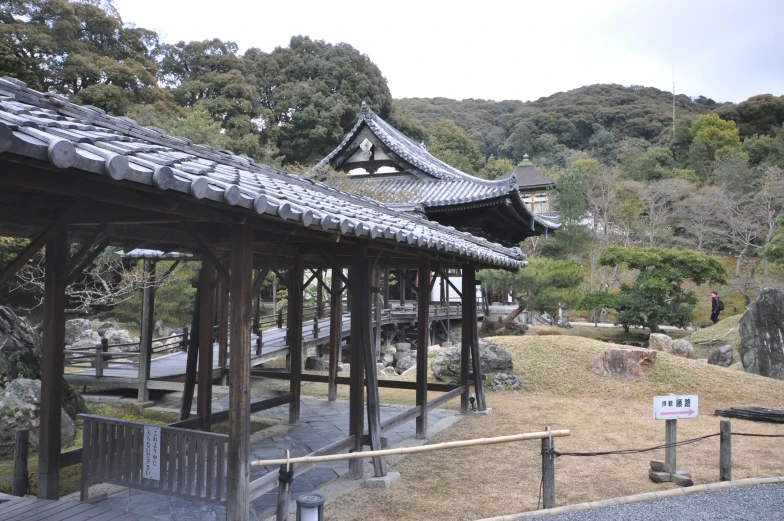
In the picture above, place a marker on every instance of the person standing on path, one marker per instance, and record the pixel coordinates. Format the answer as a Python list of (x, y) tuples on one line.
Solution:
[(717, 306)]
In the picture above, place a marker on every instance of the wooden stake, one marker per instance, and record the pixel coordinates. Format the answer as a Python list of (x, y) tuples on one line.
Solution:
[(670, 452), (548, 473), (725, 451), (21, 448), (238, 468)]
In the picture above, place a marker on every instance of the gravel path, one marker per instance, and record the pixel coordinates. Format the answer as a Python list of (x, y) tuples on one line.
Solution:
[(754, 503)]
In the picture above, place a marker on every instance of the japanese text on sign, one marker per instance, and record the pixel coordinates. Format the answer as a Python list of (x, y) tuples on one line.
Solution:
[(675, 407), (151, 459)]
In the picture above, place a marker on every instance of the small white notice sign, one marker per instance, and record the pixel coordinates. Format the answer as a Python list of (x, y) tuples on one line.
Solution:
[(675, 407), (151, 459)]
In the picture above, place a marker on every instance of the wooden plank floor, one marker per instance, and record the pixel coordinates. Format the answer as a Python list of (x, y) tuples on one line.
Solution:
[(22, 509), (172, 366)]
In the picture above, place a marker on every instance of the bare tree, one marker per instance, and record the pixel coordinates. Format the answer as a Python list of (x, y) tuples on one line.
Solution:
[(601, 192), (700, 216), (660, 198)]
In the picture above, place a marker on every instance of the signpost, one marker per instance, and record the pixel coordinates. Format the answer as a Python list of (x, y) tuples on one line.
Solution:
[(672, 408)]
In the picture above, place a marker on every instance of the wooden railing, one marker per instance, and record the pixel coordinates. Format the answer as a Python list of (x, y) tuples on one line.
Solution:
[(188, 464)]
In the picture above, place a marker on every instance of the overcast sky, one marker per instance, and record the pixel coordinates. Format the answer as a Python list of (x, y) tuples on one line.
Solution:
[(725, 50)]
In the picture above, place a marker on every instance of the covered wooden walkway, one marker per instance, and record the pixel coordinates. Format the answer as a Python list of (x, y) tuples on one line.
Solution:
[(22, 509)]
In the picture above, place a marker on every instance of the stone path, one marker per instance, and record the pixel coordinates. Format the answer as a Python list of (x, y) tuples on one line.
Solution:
[(322, 422)]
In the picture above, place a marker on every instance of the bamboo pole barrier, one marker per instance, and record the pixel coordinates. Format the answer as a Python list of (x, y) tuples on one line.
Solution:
[(413, 450)]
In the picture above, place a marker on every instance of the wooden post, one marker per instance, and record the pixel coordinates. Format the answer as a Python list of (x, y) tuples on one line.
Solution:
[(423, 340), (548, 472), (725, 451), (21, 448), (356, 371), (52, 366), (191, 361), (285, 477), (257, 306), (468, 292), (335, 332), (223, 327), (364, 296), (479, 380), (386, 289), (206, 337), (401, 282), (295, 335), (670, 452), (377, 312), (148, 324), (185, 339), (280, 319), (99, 361), (238, 466), (319, 295)]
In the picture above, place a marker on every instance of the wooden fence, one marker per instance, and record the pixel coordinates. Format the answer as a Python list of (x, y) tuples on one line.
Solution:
[(191, 464), (100, 358)]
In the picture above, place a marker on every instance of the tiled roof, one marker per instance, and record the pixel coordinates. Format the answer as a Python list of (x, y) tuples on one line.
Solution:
[(48, 127), (529, 178), (449, 185)]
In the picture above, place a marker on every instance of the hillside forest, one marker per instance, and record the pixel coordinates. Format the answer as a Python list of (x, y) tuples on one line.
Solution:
[(634, 166)]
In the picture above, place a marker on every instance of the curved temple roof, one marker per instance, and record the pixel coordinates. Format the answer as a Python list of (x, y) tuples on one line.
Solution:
[(441, 186), (49, 128)]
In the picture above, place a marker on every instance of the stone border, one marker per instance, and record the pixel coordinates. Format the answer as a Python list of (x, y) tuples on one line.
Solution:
[(637, 498)]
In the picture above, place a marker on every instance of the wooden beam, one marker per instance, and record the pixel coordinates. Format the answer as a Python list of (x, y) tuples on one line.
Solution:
[(36, 244), (335, 332), (423, 341), (206, 250), (268, 263), (77, 270), (192, 359), (371, 377), (256, 406), (87, 244), (320, 277), (148, 324), (295, 337), (446, 278), (206, 335), (238, 472), (402, 272), (344, 380), (357, 367), (52, 366)]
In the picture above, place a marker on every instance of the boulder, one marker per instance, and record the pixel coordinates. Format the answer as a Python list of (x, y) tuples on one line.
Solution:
[(344, 368), (433, 349), (388, 360), (492, 357), (74, 328), (682, 348), (120, 336), (402, 354), (20, 408), (387, 372), (516, 328), (315, 363), (388, 350), (103, 328), (380, 367), (762, 334), (623, 363), (87, 338), (659, 342), (503, 382), (722, 356), (402, 347), (404, 364)]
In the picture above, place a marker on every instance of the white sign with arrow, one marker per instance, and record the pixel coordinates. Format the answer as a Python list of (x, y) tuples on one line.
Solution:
[(675, 407)]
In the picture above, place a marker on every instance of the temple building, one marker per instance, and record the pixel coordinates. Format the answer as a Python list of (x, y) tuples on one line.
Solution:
[(383, 163)]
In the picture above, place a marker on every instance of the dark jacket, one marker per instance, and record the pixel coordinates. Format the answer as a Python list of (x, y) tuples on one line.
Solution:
[(714, 304)]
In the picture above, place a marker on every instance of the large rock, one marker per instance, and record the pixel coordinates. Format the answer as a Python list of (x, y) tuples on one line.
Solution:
[(493, 359), (660, 342), (106, 326), (388, 350), (74, 329), (387, 372), (503, 382), (21, 358), (87, 338), (388, 360), (404, 364), (682, 348), (401, 347), (120, 336), (315, 363), (762, 334), (20, 408), (623, 363), (722, 356)]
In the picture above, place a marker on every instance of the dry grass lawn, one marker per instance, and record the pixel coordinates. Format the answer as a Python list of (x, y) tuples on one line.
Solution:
[(602, 414)]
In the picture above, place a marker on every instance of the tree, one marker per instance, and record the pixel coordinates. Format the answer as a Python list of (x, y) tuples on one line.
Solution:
[(496, 168), (775, 251), (450, 143), (699, 217), (657, 296), (597, 301), (540, 286), (312, 91), (713, 138), (762, 114), (573, 236), (653, 164), (660, 198)]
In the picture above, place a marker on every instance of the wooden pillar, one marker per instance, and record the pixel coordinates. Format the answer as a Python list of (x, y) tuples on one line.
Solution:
[(238, 466), (377, 314), (223, 327), (56, 258), (423, 340), (148, 324), (335, 332), (295, 335), (191, 362), (365, 294), (386, 289), (320, 295), (468, 290), (257, 306), (356, 372), (401, 282), (725, 451), (479, 387), (206, 336)]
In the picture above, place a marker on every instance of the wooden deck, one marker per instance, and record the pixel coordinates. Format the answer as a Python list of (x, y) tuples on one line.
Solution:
[(168, 370), (22, 509)]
